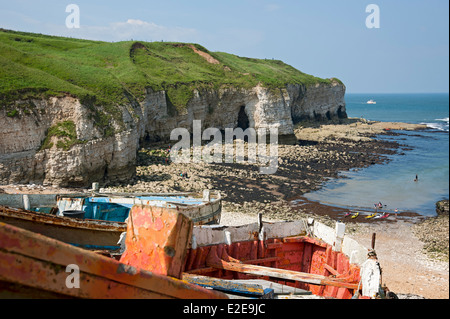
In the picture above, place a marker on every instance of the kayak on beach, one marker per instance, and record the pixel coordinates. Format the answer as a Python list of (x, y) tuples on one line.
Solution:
[(381, 216), (371, 216), (352, 214), (355, 216)]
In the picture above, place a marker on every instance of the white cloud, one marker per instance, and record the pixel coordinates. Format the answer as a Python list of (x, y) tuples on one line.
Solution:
[(138, 29), (131, 29)]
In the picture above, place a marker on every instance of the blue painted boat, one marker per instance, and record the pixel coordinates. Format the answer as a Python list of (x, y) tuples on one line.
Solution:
[(116, 207)]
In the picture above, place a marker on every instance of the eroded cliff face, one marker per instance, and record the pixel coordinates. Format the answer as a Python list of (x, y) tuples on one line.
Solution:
[(25, 159), (319, 102), (264, 108)]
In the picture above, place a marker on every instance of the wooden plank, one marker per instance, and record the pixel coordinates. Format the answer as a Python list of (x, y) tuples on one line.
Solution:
[(331, 270), (230, 286), (305, 239), (44, 276), (326, 268), (275, 245), (262, 260), (306, 258), (214, 261), (200, 271), (279, 289)]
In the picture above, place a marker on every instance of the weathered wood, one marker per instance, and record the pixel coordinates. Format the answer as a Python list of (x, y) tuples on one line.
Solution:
[(279, 289), (214, 261), (200, 271), (229, 286), (157, 240), (69, 230), (38, 264), (283, 247), (304, 239), (16, 268), (276, 245), (331, 270), (262, 260)]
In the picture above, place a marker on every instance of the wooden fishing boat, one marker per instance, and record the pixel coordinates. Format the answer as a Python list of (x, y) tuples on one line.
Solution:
[(303, 256), (36, 266), (92, 234), (306, 256), (103, 215), (203, 208)]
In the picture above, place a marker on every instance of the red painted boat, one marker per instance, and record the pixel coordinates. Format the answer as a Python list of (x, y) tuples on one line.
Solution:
[(311, 257)]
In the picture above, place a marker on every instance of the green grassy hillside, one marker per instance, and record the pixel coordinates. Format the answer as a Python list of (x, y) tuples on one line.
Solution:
[(109, 74)]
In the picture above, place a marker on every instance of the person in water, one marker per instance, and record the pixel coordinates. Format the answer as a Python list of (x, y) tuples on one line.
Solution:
[(417, 178)]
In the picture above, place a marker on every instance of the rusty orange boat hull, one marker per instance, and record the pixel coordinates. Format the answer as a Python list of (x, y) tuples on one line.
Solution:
[(35, 266)]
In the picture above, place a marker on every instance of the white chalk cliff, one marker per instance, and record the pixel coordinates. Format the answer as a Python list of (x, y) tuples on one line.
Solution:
[(113, 158)]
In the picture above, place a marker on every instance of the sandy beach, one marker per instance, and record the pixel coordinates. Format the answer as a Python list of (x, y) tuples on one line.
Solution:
[(323, 151)]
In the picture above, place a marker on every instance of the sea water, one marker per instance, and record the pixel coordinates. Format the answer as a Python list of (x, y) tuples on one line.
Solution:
[(426, 154)]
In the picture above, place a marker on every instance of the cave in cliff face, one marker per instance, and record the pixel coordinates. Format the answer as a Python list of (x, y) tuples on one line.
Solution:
[(342, 114), (243, 121)]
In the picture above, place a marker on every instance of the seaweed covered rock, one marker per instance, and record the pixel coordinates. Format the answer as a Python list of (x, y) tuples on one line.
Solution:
[(442, 207)]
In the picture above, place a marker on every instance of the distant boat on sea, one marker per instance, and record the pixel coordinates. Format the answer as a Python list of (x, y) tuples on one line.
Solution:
[(371, 102)]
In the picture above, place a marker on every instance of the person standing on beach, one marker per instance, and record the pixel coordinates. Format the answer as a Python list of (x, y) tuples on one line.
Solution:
[(396, 213)]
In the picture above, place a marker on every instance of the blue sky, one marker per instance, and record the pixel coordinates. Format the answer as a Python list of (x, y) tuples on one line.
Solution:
[(326, 38)]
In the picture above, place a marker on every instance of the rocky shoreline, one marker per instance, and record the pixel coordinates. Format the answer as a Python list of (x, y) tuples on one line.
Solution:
[(322, 152), (434, 232)]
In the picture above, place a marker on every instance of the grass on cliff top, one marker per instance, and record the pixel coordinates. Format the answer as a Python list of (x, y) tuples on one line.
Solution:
[(110, 74)]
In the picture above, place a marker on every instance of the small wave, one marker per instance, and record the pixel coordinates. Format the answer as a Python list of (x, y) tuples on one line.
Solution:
[(443, 120), (437, 126)]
